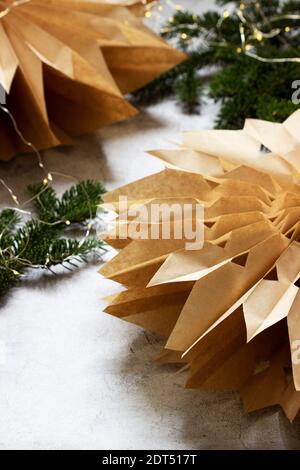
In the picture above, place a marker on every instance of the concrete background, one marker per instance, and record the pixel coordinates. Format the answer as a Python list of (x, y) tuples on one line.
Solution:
[(75, 378)]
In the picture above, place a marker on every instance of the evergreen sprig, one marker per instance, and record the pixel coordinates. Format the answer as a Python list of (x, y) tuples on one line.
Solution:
[(244, 86), (41, 241)]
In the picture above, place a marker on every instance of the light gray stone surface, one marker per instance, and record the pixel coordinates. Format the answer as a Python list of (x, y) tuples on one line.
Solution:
[(75, 378)]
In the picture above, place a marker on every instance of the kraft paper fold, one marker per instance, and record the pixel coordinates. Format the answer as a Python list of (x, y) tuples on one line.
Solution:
[(66, 64), (230, 310)]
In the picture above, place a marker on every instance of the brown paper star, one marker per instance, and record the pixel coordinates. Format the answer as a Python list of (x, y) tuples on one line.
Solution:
[(230, 311)]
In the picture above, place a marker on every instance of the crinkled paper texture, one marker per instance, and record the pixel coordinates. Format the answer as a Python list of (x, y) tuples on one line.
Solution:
[(230, 311), (66, 64)]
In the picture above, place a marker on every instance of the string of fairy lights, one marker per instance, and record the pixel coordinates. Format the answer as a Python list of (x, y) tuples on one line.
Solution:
[(48, 177), (248, 29)]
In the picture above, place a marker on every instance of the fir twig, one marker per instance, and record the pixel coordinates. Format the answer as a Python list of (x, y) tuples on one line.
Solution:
[(41, 241)]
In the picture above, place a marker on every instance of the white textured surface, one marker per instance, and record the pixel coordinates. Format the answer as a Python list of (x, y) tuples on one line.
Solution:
[(74, 378)]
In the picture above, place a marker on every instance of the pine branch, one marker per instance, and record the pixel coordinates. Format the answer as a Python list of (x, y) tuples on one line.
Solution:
[(188, 88), (8, 219), (41, 241), (7, 280), (80, 202)]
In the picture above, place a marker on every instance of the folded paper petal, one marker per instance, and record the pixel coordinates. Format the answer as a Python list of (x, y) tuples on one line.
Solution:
[(230, 310)]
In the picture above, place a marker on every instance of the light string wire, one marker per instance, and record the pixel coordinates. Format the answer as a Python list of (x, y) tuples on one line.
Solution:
[(155, 8), (19, 208)]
